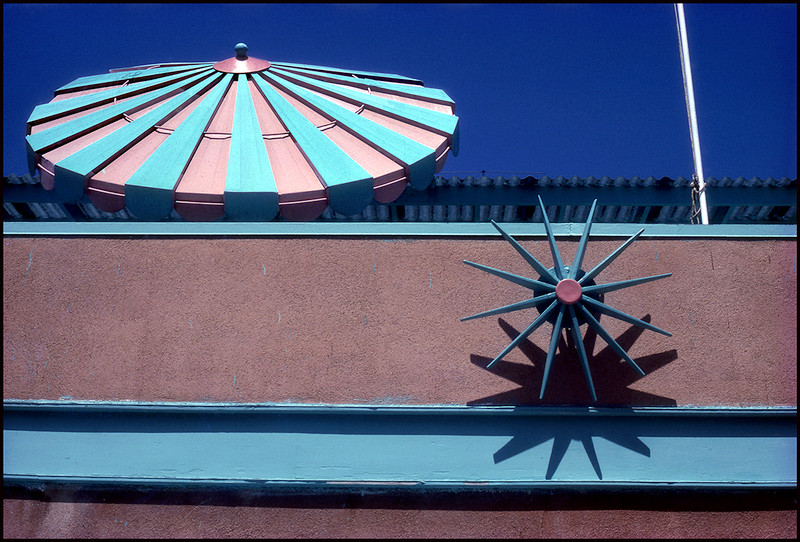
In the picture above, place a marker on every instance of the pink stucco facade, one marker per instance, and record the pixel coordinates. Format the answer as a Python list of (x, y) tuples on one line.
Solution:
[(345, 321), (377, 321)]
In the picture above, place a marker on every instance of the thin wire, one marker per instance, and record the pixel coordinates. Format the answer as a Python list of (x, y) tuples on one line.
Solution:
[(696, 191), (226, 135)]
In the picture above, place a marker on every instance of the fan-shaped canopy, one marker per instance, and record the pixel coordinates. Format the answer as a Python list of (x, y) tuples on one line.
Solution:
[(243, 137)]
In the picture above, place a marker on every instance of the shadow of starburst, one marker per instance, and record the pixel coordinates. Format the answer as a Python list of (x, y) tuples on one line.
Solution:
[(612, 376)]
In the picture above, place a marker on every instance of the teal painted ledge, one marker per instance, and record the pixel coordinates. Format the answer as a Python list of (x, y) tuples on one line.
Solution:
[(382, 229), (277, 445)]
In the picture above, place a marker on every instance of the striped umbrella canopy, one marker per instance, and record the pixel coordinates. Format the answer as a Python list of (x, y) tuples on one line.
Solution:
[(242, 138)]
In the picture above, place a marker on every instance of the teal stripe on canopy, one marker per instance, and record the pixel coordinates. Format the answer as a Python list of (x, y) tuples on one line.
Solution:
[(441, 123), (349, 185), (419, 160), (250, 189), (425, 93), (41, 142), (73, 171), (106, 79), (345, 166), (44, 112), (373, 75), (149, 192)]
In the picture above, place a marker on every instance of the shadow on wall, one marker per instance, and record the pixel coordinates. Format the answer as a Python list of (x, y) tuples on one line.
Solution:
[(562, 435), (567, 384)]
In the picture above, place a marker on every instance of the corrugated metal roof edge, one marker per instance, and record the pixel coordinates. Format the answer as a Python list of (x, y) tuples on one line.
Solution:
[(544, 180), (474, 199), (443, 179)]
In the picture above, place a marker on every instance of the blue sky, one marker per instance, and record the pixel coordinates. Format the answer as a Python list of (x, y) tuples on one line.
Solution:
[(572, 90)]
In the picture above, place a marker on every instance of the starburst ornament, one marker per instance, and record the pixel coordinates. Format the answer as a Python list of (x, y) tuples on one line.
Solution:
[(567, 296)]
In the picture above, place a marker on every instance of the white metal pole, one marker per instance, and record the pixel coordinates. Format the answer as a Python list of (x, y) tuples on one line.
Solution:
[(690, 107)]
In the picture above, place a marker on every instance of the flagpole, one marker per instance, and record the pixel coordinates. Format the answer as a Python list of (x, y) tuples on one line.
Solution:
[(690, 107)]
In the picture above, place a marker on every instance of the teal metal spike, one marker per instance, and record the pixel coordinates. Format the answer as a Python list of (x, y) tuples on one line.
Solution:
[(576, 335), (595, 325), (558, 266), (576, 300), (524, 335), (576, 265), (527, 304), (619, 315), (516, 279), (610, 258), (541, 269), (552, 350), (611, 286)]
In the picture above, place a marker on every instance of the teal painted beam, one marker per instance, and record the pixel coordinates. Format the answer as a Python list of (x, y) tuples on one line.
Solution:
[(267, 444), (250, 189), (48, 111), (418, 160), (441, 123), (93, 81), (384, 229), (72, 173), (425, 93), (349, 186), (373, 75), (41, 142), (149, 192)]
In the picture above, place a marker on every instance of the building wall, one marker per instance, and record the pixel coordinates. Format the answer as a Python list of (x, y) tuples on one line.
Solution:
[(76, 514), (377, 321)]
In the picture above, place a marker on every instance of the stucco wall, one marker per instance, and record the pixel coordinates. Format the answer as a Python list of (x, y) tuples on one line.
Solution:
[(378, 321), (320, 320), (78, 514)]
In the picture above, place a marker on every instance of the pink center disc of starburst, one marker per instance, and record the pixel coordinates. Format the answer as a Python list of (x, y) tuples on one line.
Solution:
[(568, 291)]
